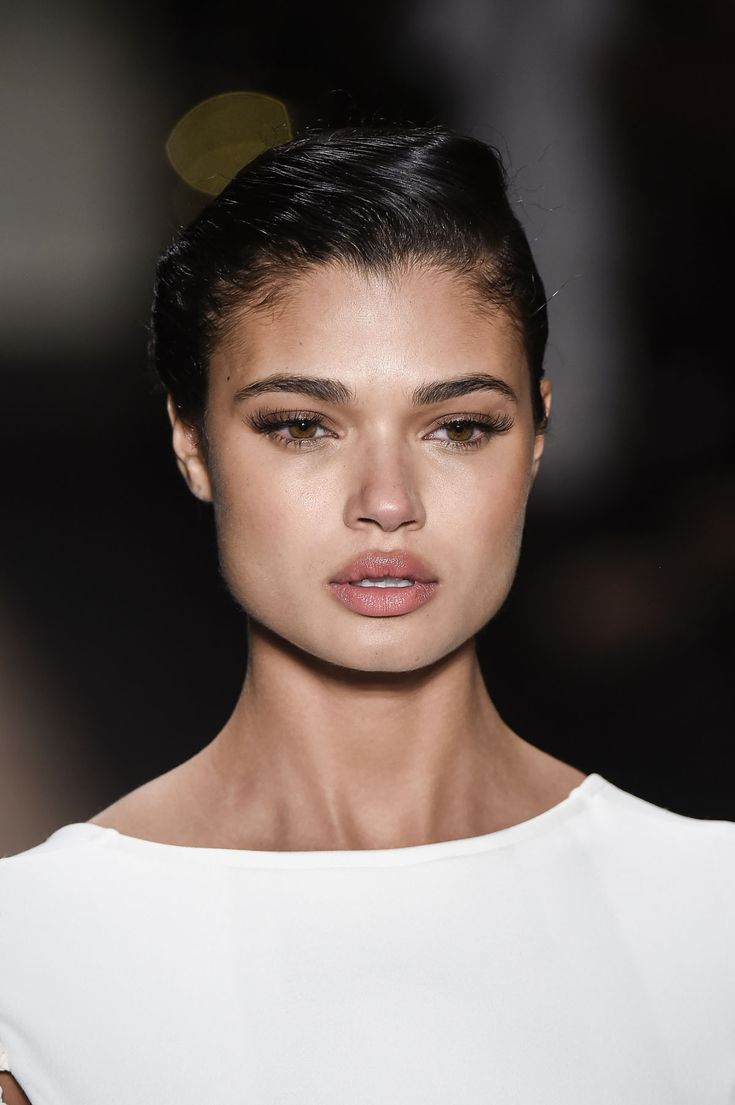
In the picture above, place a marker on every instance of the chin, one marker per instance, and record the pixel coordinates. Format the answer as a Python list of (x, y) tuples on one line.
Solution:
[(385, 647), (374, 646)]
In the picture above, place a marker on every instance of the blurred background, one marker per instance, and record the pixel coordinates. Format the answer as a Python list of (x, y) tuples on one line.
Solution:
[(120, 652)]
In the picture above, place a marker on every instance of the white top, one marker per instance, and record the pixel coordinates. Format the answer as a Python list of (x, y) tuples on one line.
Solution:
[(583, 956)]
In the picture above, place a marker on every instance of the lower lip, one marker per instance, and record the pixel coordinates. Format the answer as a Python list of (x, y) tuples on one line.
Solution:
[(383, 602)]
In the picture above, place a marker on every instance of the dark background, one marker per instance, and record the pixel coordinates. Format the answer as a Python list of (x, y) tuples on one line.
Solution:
[(120, 652)]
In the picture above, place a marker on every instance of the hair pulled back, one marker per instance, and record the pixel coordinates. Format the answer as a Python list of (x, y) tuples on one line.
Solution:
[(378, 199)]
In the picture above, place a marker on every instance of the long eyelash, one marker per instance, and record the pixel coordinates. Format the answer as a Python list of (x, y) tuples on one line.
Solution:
[(268, 424), (492, 425)]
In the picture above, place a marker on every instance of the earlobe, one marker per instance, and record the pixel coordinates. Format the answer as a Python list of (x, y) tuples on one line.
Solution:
[(189, 458)]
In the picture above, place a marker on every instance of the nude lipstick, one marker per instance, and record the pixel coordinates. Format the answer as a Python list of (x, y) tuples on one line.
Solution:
[(366, 584)]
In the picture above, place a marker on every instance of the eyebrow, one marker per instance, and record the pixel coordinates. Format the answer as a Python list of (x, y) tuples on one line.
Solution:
[(334, 391)]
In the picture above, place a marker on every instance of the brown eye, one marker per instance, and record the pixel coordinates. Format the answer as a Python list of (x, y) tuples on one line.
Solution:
[(303, 425), (463, 428), (460, 430)]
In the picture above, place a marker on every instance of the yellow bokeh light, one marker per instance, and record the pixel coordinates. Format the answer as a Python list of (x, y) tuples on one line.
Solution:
[(213, 141)]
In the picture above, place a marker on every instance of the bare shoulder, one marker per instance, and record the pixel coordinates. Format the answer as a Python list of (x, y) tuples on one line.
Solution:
[(131, 807), (155, 810), (550, 779), (12, 1094)]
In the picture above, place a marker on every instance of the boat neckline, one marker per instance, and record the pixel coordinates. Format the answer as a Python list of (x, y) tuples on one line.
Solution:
[(87, 832)]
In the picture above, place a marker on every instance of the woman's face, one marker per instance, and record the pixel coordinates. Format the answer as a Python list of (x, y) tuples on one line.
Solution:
[(378, 472)]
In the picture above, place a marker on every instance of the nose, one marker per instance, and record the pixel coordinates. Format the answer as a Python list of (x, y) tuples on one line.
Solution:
[(384, 493)]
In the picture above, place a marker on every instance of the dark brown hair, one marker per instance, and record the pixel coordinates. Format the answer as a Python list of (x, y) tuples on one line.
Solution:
[(374, 198)]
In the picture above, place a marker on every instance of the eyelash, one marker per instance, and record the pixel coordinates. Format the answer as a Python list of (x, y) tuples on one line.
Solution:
[(268, 424)]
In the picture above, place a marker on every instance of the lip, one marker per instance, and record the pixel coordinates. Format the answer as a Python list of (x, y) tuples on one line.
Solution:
[(381, 602), (375, 564)]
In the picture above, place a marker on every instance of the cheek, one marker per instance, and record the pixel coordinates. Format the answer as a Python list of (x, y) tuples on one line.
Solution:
[(487, 517), (491, 499), (267, 515), (273, 498)]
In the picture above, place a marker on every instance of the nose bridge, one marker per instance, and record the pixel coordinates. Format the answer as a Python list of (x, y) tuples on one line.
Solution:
[(382, 481)]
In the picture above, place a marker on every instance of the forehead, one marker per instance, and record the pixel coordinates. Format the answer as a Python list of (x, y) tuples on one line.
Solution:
[(337, 321)]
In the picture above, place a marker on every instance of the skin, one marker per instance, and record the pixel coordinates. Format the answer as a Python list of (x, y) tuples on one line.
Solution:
[(12, 1093), (355, 732)]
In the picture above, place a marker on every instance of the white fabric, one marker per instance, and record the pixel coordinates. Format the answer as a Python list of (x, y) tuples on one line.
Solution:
[(583, 957)]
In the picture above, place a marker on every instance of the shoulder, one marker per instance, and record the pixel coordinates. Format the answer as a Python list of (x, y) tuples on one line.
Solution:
[(75, 865), (662, 857), (166, 809), (49, 917), (136, 811), (34, 878), (74, 903), (83, 868), (634, 815), (660, 887)]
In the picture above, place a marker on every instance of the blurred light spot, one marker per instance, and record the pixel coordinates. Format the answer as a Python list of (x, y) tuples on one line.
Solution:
[(213, 141)]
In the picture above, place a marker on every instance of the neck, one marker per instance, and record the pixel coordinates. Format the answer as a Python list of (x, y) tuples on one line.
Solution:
[(318, 757)]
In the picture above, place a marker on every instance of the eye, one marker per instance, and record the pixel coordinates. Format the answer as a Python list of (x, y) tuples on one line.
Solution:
[(303, 425), (489, 425), (302, 429)]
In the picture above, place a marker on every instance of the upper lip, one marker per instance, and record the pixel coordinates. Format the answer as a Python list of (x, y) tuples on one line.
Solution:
[(376, 564)]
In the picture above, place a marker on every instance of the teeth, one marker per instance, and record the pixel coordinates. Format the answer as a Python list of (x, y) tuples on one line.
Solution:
[(385, 581)]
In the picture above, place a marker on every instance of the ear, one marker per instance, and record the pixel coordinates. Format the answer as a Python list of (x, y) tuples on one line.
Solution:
[(540, 439), (189, 457)]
